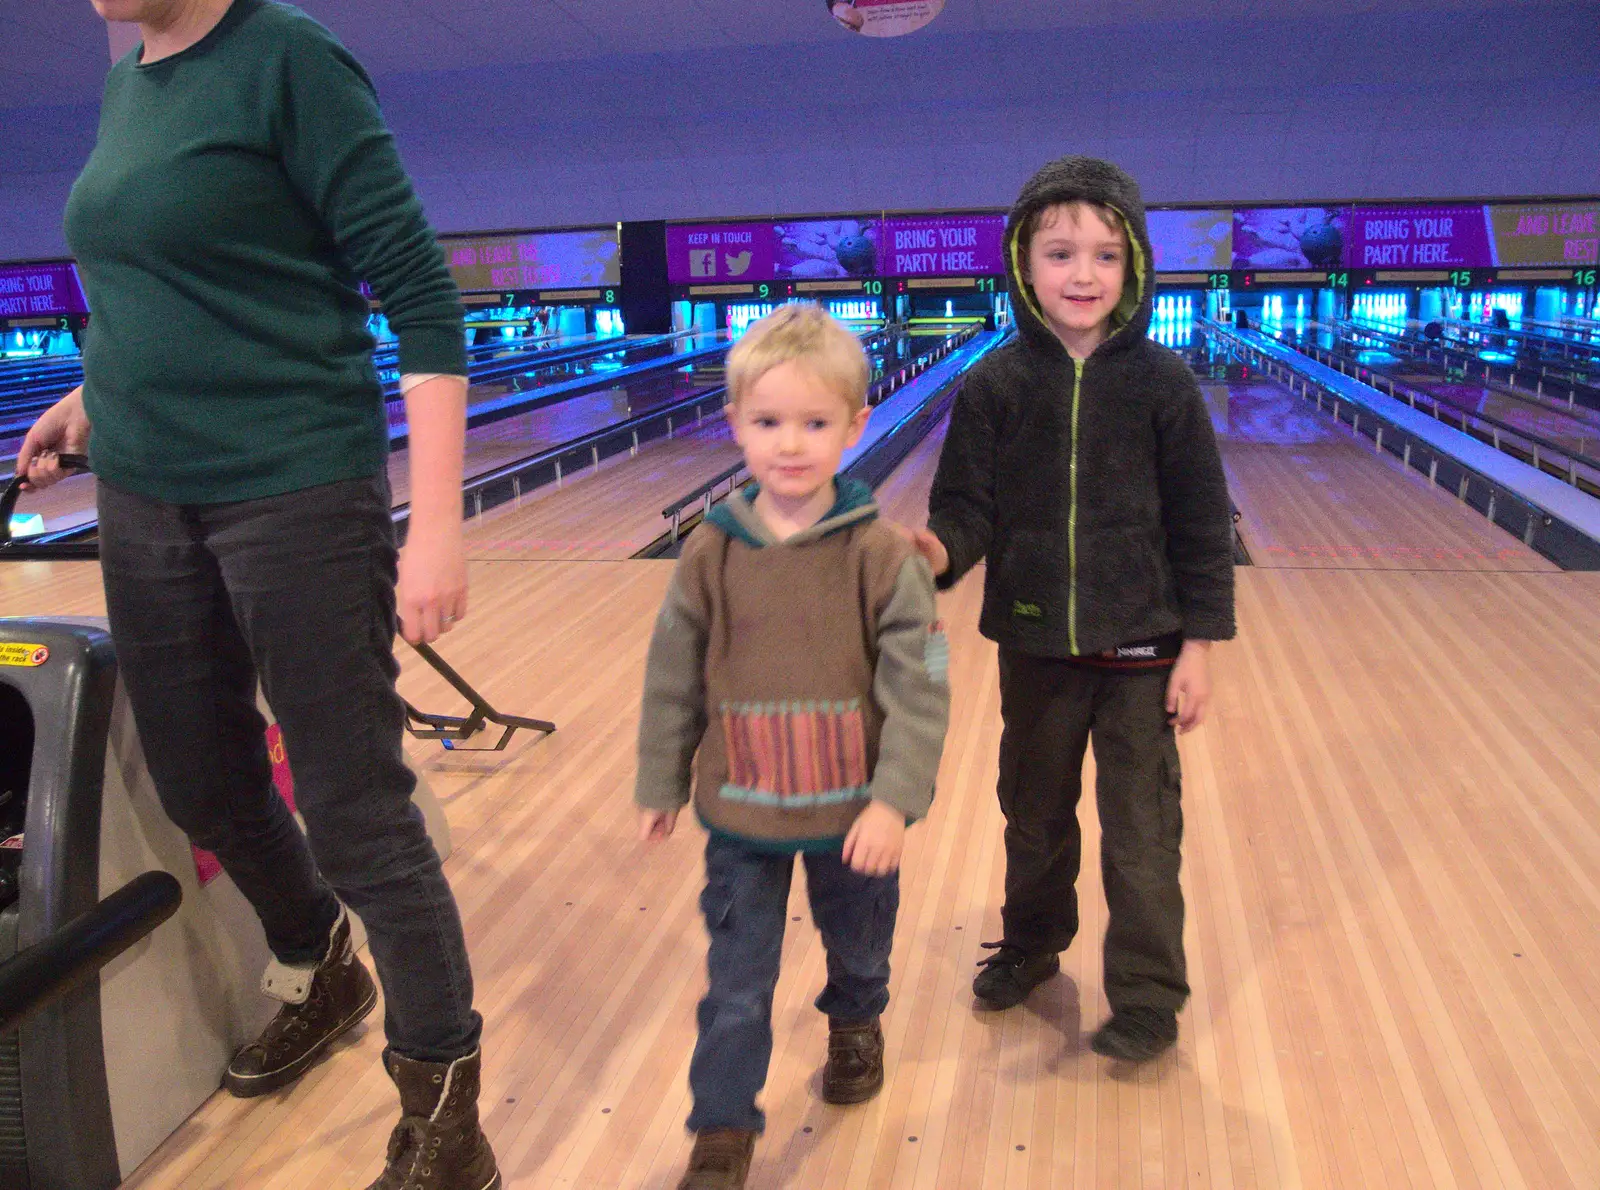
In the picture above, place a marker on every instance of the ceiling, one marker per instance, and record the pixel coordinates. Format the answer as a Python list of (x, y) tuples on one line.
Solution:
[(55, 51)]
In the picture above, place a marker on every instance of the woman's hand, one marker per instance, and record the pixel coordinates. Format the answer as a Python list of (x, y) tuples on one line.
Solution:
[(432, 592), (62, 429)]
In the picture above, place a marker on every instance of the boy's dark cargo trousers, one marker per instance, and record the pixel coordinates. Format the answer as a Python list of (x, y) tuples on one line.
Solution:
[(1052, 709)]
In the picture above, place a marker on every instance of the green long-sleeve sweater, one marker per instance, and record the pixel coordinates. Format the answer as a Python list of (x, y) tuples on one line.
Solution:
[(236, 193)]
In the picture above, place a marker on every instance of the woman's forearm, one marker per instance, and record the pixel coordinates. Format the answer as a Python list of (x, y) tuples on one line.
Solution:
[(436, 411)]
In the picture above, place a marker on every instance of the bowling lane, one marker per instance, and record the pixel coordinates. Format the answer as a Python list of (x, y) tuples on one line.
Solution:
[(527, 434), (1310, 495), (1576, 429), (607, 512), (499, 378), (496, 370), (614, 510), (903, 495), (496, 444), (506, 441), (71, 503), (1313, 496)]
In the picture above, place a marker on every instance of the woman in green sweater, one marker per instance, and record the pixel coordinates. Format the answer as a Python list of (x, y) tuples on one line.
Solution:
[(242, 184)]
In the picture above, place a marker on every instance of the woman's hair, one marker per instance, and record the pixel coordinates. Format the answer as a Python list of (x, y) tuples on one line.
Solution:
[(805, 334)]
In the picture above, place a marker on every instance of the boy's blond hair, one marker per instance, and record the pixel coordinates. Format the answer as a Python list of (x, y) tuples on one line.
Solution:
[(801, 333)]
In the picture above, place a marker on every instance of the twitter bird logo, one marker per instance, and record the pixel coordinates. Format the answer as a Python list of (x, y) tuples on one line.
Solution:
[(739, 265)]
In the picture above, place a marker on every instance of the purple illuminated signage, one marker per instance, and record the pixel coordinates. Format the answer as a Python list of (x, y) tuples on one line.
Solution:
[(1290, 237), (1567, 233), (1192, 239), (1418, 237), (707, 252), (40, 291), (943, 245), (535, 260), (812, 249)]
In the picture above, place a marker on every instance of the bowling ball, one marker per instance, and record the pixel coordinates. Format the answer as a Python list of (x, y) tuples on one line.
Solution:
[(1322, 246), (856, 256), (1433, 331)]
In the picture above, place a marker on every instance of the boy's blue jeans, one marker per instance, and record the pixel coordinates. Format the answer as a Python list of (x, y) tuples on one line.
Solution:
[(745, 902)]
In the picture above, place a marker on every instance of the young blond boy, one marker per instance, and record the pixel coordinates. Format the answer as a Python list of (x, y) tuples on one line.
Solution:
[(1081, 462), (796, 662)]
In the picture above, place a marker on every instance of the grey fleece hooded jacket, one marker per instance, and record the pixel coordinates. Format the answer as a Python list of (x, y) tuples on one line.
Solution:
[(1094, 488)]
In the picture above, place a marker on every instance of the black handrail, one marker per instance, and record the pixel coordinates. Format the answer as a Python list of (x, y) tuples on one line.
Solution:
[(77, 951)]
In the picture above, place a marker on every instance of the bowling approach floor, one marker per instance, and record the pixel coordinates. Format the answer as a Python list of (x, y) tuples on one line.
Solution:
[(1390, 864)]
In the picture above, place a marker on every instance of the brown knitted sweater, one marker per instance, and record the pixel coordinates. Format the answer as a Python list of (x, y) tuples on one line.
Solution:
[(801, 678)]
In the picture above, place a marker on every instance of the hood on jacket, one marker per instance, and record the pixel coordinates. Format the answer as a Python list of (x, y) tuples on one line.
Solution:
[(1083, 179), (738, 518)]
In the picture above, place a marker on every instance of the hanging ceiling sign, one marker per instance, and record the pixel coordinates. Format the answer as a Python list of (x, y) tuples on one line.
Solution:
[(884, 18)]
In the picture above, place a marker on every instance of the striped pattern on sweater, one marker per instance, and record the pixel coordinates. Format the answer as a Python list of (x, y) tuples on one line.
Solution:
[(795, 754)]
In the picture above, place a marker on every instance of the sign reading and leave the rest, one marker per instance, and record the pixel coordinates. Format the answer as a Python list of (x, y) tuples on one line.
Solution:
[(534, 260)]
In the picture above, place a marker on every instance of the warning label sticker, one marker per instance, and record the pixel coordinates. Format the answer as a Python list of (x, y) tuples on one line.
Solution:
[(17, 653)]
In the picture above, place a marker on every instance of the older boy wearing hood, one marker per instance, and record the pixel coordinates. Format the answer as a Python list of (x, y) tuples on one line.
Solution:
[(1081, 463)]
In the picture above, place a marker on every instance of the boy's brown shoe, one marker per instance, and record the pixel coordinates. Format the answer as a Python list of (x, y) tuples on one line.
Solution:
[(854, 1073), (319, 1004), (720, 1161)]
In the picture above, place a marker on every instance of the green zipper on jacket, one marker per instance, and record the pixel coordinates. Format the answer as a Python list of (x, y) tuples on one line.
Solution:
[(1072, 516)]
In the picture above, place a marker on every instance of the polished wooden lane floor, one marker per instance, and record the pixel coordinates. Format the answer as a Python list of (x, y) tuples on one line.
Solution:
[(610, 511), (1391, 855), (1314, 494)]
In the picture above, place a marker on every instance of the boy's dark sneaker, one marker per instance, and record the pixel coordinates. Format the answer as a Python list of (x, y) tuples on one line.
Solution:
[(854, 1073), (1010, 973), (1136, 1034), (438, 1143), (720, 1161), (319, 1004)]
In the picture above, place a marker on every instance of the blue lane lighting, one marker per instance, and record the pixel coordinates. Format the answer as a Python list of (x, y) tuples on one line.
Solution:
[(1497, 357), (1374, 358)]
